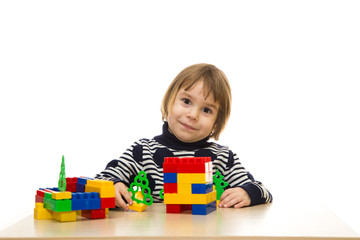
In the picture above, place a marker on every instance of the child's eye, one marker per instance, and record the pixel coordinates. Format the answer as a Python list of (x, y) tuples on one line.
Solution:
[(186, 101), (207, 110)]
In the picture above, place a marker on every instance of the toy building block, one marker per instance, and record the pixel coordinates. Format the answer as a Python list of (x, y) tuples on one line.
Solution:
[(41, 213), (81, 183), (65, 216), (170, 178), (170, 165), (177, 208), (107, 203), (139, 207), (201, 188), (189, 198), (93, 214), (105, 188), (39, 197), (61, 195), (203, 209), (85, 201), (170, 187), (60, 205), (184, 178), (201, 177), (71, 184), (184, 188)]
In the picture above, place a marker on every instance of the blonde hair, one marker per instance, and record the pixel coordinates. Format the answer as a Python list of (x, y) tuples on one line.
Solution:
[(214, 82)]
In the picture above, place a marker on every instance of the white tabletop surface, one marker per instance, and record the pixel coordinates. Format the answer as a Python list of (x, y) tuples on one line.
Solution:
[(278, 220)]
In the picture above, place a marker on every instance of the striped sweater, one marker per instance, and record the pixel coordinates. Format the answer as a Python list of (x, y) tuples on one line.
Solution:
[(148, 155)]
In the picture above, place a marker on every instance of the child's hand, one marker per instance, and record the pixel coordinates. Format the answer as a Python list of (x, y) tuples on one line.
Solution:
[(121, 191), (236, 197)]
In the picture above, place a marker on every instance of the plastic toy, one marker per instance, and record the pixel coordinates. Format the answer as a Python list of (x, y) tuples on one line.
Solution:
[(220, 184), (62, 176), (141, 193), (87, 197), (188, 185)]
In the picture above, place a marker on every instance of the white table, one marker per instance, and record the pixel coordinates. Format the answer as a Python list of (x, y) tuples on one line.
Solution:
[(279, 220)]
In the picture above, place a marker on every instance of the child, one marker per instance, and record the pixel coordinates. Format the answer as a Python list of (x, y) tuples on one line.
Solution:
[(195, 108)]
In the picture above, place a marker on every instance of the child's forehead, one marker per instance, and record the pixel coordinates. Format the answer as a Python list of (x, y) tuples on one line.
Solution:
[(207, 93)]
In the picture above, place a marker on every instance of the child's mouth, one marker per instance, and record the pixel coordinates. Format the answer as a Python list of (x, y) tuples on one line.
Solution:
[(187, 126)]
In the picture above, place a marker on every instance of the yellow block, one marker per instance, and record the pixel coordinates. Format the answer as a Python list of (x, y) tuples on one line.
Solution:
[(194, 177), (201, 177), (175, 198), (105, 188), (184, 188), (65, 216), (61, 195), (184, 178), (139, 207), (41, 213)]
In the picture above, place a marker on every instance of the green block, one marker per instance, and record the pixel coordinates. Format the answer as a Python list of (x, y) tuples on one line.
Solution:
[(62, 205), (47, 200)]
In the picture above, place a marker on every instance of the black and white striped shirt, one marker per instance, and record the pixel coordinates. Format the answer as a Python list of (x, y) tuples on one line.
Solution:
[(148, 155)]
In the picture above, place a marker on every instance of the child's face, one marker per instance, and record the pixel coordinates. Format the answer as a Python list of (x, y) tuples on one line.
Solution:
[(193, 116)]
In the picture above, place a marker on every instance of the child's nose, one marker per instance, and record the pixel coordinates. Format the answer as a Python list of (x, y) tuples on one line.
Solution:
[(192, 114)]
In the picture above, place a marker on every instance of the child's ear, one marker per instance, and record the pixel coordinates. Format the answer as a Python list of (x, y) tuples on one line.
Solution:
[(212, 131)]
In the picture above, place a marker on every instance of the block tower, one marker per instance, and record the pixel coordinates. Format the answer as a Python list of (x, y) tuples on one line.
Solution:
[(188, 185)]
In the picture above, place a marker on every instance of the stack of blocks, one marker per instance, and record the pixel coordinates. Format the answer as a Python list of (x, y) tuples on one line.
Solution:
[(88, 197), (188, 185)]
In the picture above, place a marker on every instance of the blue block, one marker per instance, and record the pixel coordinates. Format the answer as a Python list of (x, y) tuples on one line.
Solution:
[(80, 187), (83, 180), (199, 209), (85, 201), (201, 188), (52, 189), (170, 177)]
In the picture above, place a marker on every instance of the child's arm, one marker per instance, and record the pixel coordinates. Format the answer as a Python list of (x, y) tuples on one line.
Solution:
[(243, 189)]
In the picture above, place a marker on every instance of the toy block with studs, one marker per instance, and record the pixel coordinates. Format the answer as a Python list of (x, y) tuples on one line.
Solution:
[(41, 213)]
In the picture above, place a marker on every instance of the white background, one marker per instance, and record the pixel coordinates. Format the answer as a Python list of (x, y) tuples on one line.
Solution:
[(86, 78)]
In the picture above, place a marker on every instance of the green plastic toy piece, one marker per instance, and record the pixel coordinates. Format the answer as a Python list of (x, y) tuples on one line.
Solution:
[(62, 177), (220, 184), (161, 194), (141, 183)]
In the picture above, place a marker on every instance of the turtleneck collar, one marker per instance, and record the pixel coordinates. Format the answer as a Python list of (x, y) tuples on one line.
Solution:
[(169, 140)]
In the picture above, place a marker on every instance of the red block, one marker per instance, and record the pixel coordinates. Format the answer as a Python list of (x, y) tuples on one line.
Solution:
[(187, 165), (170, 187), (177, 208), (194, 165), (107, 203), (170, 165), (71, 184), (39, 197), (93, 214)]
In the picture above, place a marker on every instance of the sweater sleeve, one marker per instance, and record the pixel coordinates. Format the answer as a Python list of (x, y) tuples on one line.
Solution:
[(125, 168), (237, 176)]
